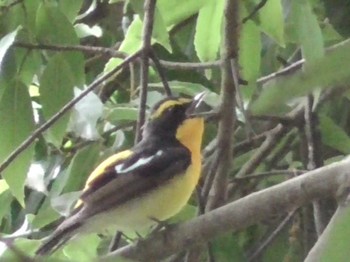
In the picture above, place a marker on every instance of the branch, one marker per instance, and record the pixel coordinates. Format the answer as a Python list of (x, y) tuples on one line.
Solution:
[(238, 215), (255, 11), (295, 66), (272, 139), (112, 52), (262, 175), (272, 236), (229, 82), (107, 51), (161, 72), (189, 65), (63, 110), (322, 210), (149, 7)]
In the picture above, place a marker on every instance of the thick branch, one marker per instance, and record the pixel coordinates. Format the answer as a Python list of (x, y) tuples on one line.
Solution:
[(249, 210)]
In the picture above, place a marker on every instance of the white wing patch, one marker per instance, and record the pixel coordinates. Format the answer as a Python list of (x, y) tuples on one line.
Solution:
[(142, 161)]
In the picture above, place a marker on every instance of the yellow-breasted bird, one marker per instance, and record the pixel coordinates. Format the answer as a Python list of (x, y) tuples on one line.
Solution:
[(152, 181)]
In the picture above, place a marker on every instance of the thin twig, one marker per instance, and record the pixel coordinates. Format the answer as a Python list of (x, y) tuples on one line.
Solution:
[(248, 144), (272, 236), (314, 147), (110, 52), (240, 103), (270, 142), (208, 172), (115, 241), (189, 65), (62, 111), (161, 72), (149, 8), (266, 174), (309, 133), (279, 154), (12, 4), (295, 66), (256, 9)]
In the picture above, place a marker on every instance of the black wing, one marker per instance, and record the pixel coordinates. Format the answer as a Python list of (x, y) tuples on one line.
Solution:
[(136, 175)]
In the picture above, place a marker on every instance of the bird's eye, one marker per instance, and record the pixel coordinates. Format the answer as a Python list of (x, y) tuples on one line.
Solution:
[(169, 109)]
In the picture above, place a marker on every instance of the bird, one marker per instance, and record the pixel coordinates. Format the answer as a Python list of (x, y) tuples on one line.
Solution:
[(150, 182)]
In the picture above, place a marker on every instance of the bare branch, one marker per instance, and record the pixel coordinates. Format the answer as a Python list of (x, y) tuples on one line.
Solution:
[(266, 174), (107, 51), (272, 236), (270, 142), (190, 65), (161, 72)]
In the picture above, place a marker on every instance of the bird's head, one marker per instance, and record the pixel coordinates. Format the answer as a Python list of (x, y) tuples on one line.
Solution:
[(173, 116)]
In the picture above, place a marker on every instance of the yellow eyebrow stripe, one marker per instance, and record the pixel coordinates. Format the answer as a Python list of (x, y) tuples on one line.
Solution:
[(168, 104)]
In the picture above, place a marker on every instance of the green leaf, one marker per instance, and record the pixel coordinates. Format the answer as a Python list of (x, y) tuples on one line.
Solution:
[(333, 135), (70, 8), (121, 113), (30, 62), (23, 246), (16, 118), (309, 32), (336, 246), (131, 43), (8, 70), (249, 56), (80, 167), (208, 30), (45, 216), (226, 249), (6, 201), (3, 186), (82, 249), (328, 71), (187, 212), (174, 12), (53, 27), (272, 22), (30, 8), (159, 32), (56, 89)]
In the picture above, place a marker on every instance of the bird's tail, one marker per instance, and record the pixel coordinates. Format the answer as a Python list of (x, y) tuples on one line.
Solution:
[(58, 238)]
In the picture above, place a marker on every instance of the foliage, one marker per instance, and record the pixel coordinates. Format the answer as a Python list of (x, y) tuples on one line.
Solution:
[(44, 181)]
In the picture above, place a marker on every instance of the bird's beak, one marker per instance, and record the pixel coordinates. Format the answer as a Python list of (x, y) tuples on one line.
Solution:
[(192, 109)]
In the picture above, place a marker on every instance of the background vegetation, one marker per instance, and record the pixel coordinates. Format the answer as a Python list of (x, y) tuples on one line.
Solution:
[(77, 78)]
